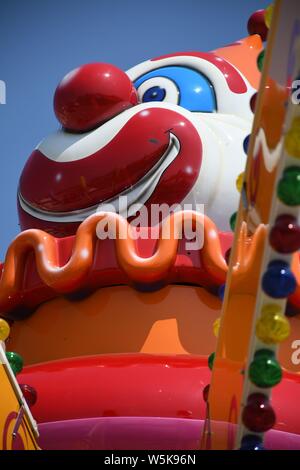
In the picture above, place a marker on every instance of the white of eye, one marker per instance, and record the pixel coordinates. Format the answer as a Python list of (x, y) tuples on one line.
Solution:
[(172, 92)]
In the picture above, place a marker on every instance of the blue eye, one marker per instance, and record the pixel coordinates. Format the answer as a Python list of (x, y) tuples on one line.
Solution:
[(155, 93), (184, 86)]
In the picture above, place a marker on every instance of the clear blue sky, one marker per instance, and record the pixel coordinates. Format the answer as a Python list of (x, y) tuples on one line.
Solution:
[(41, 40)]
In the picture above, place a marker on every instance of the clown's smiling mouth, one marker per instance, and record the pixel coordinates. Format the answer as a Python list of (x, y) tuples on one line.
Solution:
[(127, 203)]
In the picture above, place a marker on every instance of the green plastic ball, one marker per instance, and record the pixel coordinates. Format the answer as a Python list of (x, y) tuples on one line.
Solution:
[(211, 360), (288, 189), (265, 370), (232, 221), (260, 60), (15, 361)]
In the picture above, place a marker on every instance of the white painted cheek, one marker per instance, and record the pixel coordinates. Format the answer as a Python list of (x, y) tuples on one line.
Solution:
[(222, 161)]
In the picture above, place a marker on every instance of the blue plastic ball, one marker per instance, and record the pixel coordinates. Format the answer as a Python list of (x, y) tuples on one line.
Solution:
[(278, 281), (251, 442), (221, 291), (246, 144)]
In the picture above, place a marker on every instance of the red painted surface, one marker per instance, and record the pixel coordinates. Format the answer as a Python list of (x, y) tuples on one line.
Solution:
[(137, 385), (138, 146), (118, 385)]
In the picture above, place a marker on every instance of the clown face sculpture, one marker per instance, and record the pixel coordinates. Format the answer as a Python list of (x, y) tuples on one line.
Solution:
[(115, 333), (170, 131)]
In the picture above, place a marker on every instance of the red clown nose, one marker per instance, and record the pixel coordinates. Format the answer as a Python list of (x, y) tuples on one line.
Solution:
[(92, 94)]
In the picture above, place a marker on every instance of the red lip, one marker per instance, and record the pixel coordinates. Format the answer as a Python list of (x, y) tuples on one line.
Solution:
[(117, 166)]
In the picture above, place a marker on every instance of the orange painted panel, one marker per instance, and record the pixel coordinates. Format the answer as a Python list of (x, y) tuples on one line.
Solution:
[(8, 413), (173, 320)]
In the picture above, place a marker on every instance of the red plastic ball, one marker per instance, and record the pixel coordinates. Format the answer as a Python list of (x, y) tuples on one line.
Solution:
[(253, 102), (257, 25), (29, 394), (285, 235), (92, 94), (205, 393), (227, 255), (258, 414)]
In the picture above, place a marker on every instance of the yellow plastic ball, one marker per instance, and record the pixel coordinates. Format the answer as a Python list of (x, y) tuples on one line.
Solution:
[(216, 326), (4, 330), (268, 15), (292, 139), (272, 327), (271, 308), (239, 182)]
